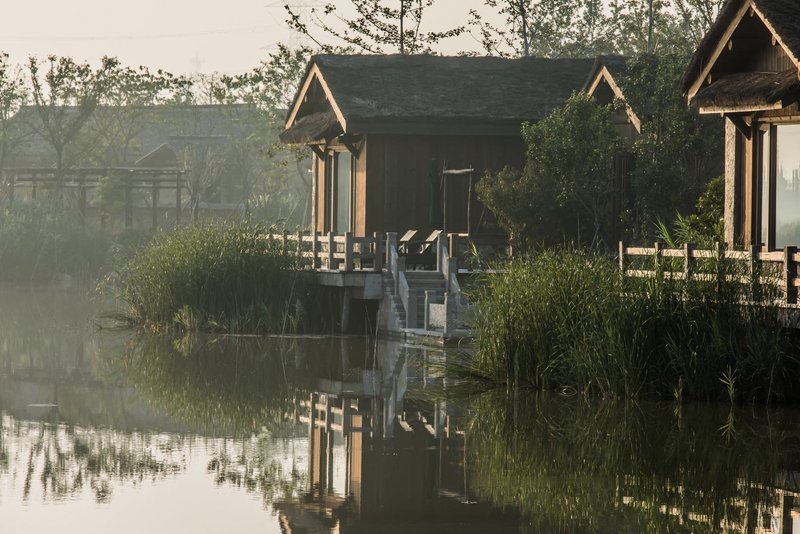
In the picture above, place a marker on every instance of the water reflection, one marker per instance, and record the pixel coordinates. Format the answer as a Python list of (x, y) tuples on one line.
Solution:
[(349, 435), (572, 466), (55, 462)]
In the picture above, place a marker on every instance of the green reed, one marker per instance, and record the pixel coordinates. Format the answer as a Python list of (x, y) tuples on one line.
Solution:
[(568, 320), (219, 277)]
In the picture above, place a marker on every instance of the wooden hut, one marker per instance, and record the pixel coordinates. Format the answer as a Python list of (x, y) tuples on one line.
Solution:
[(747, 69), (383, 128)]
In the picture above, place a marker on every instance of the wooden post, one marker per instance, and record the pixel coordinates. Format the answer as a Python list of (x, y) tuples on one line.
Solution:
[(11, 186), (128, 205), (178, 187), (300, 246), (657, 257), (391, 244), (377, 252), (622, 257), (453, 238), (314, 249), (284, 248), (331, 251), (82, 200), (348, 251), (790, 274), (154, 194), (688, 260)]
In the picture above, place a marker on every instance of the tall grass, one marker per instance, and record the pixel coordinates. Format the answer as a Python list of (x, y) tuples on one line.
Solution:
[(219, 277), (569, 320)]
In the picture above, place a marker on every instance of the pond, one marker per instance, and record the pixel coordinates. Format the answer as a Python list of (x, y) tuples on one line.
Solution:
[(119, 432)]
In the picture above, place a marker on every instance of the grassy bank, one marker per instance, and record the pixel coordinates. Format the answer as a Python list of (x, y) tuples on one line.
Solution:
[(219, 277), (567, 320)]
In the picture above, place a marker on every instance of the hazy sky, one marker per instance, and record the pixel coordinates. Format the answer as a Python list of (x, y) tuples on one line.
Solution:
[(181, 36)]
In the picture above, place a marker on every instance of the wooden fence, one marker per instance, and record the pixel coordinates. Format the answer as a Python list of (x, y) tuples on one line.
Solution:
[(331, 252), (777, 268)]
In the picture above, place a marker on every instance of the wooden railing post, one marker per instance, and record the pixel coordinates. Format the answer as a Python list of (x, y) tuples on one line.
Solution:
[(658, 246), (391, 244), (377, 252), (622, 257), (688, 260), (348, 251), (284, 248), (790, 274), (314, 249), (331, 252), (300, 246), (453, 245)]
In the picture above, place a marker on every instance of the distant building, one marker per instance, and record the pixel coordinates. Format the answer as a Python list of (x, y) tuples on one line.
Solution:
[(747, 68), (222, 148)]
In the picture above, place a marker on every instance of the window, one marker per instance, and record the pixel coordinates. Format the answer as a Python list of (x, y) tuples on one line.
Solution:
[(779, 184), (341, 191)]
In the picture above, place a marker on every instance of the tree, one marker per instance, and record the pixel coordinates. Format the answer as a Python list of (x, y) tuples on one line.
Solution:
[(697, 16), (13, 94), (375, 28), (269, 89), (565, 192), (678, 150), (65, 96), (532, 27)]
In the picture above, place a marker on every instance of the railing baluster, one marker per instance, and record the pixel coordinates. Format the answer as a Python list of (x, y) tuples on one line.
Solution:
[(331, 252), (348, 251), (790, 274)]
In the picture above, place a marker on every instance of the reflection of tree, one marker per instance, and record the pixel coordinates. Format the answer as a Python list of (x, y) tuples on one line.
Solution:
[(639, 468), (220, 386), (57, 462), (255, 465)]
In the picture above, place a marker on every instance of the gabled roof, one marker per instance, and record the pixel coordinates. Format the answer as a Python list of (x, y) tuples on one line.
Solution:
[(781, 18), (415, 94), (606, 72)]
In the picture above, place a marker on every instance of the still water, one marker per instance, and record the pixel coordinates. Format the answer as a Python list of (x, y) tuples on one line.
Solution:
[(119, 432)]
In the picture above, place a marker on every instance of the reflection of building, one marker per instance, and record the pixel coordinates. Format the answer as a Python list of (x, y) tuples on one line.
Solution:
[(375, 459)]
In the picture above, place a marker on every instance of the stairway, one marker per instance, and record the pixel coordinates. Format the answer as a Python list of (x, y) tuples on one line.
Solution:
[(418, 283), (397, 304)]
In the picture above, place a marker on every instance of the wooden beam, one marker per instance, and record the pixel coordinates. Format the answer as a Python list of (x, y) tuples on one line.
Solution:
[(743, 128), (318, 151)]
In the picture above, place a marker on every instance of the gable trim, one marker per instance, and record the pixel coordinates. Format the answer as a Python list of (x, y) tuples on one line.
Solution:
[(605, 75), (314, 73), (719, 48)]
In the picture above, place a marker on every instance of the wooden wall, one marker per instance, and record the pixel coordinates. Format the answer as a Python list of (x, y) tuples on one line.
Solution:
[(397, 188)]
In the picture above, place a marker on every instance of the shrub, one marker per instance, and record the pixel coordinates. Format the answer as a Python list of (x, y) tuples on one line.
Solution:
[(569, 319), (217, 277)]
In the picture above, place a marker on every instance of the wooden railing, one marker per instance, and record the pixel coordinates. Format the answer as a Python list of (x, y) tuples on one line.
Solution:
[(331, 252), (774, 268)]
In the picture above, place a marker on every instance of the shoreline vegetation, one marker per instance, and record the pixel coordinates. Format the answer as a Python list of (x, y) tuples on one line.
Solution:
[(220, 277), (568, 321)]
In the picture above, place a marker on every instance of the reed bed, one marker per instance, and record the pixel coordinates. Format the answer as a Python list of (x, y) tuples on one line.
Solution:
[(569, 321), (219, 277)]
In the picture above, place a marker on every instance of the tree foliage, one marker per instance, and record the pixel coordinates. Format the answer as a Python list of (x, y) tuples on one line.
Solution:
[(565, 192), (678, 150), (376, 27)]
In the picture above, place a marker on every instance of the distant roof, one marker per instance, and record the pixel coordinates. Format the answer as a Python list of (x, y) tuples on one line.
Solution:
[(617, 66), (409, 93), (782, 18)]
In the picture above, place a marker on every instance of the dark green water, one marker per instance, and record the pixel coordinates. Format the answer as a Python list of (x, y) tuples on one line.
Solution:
[(113, 432)]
